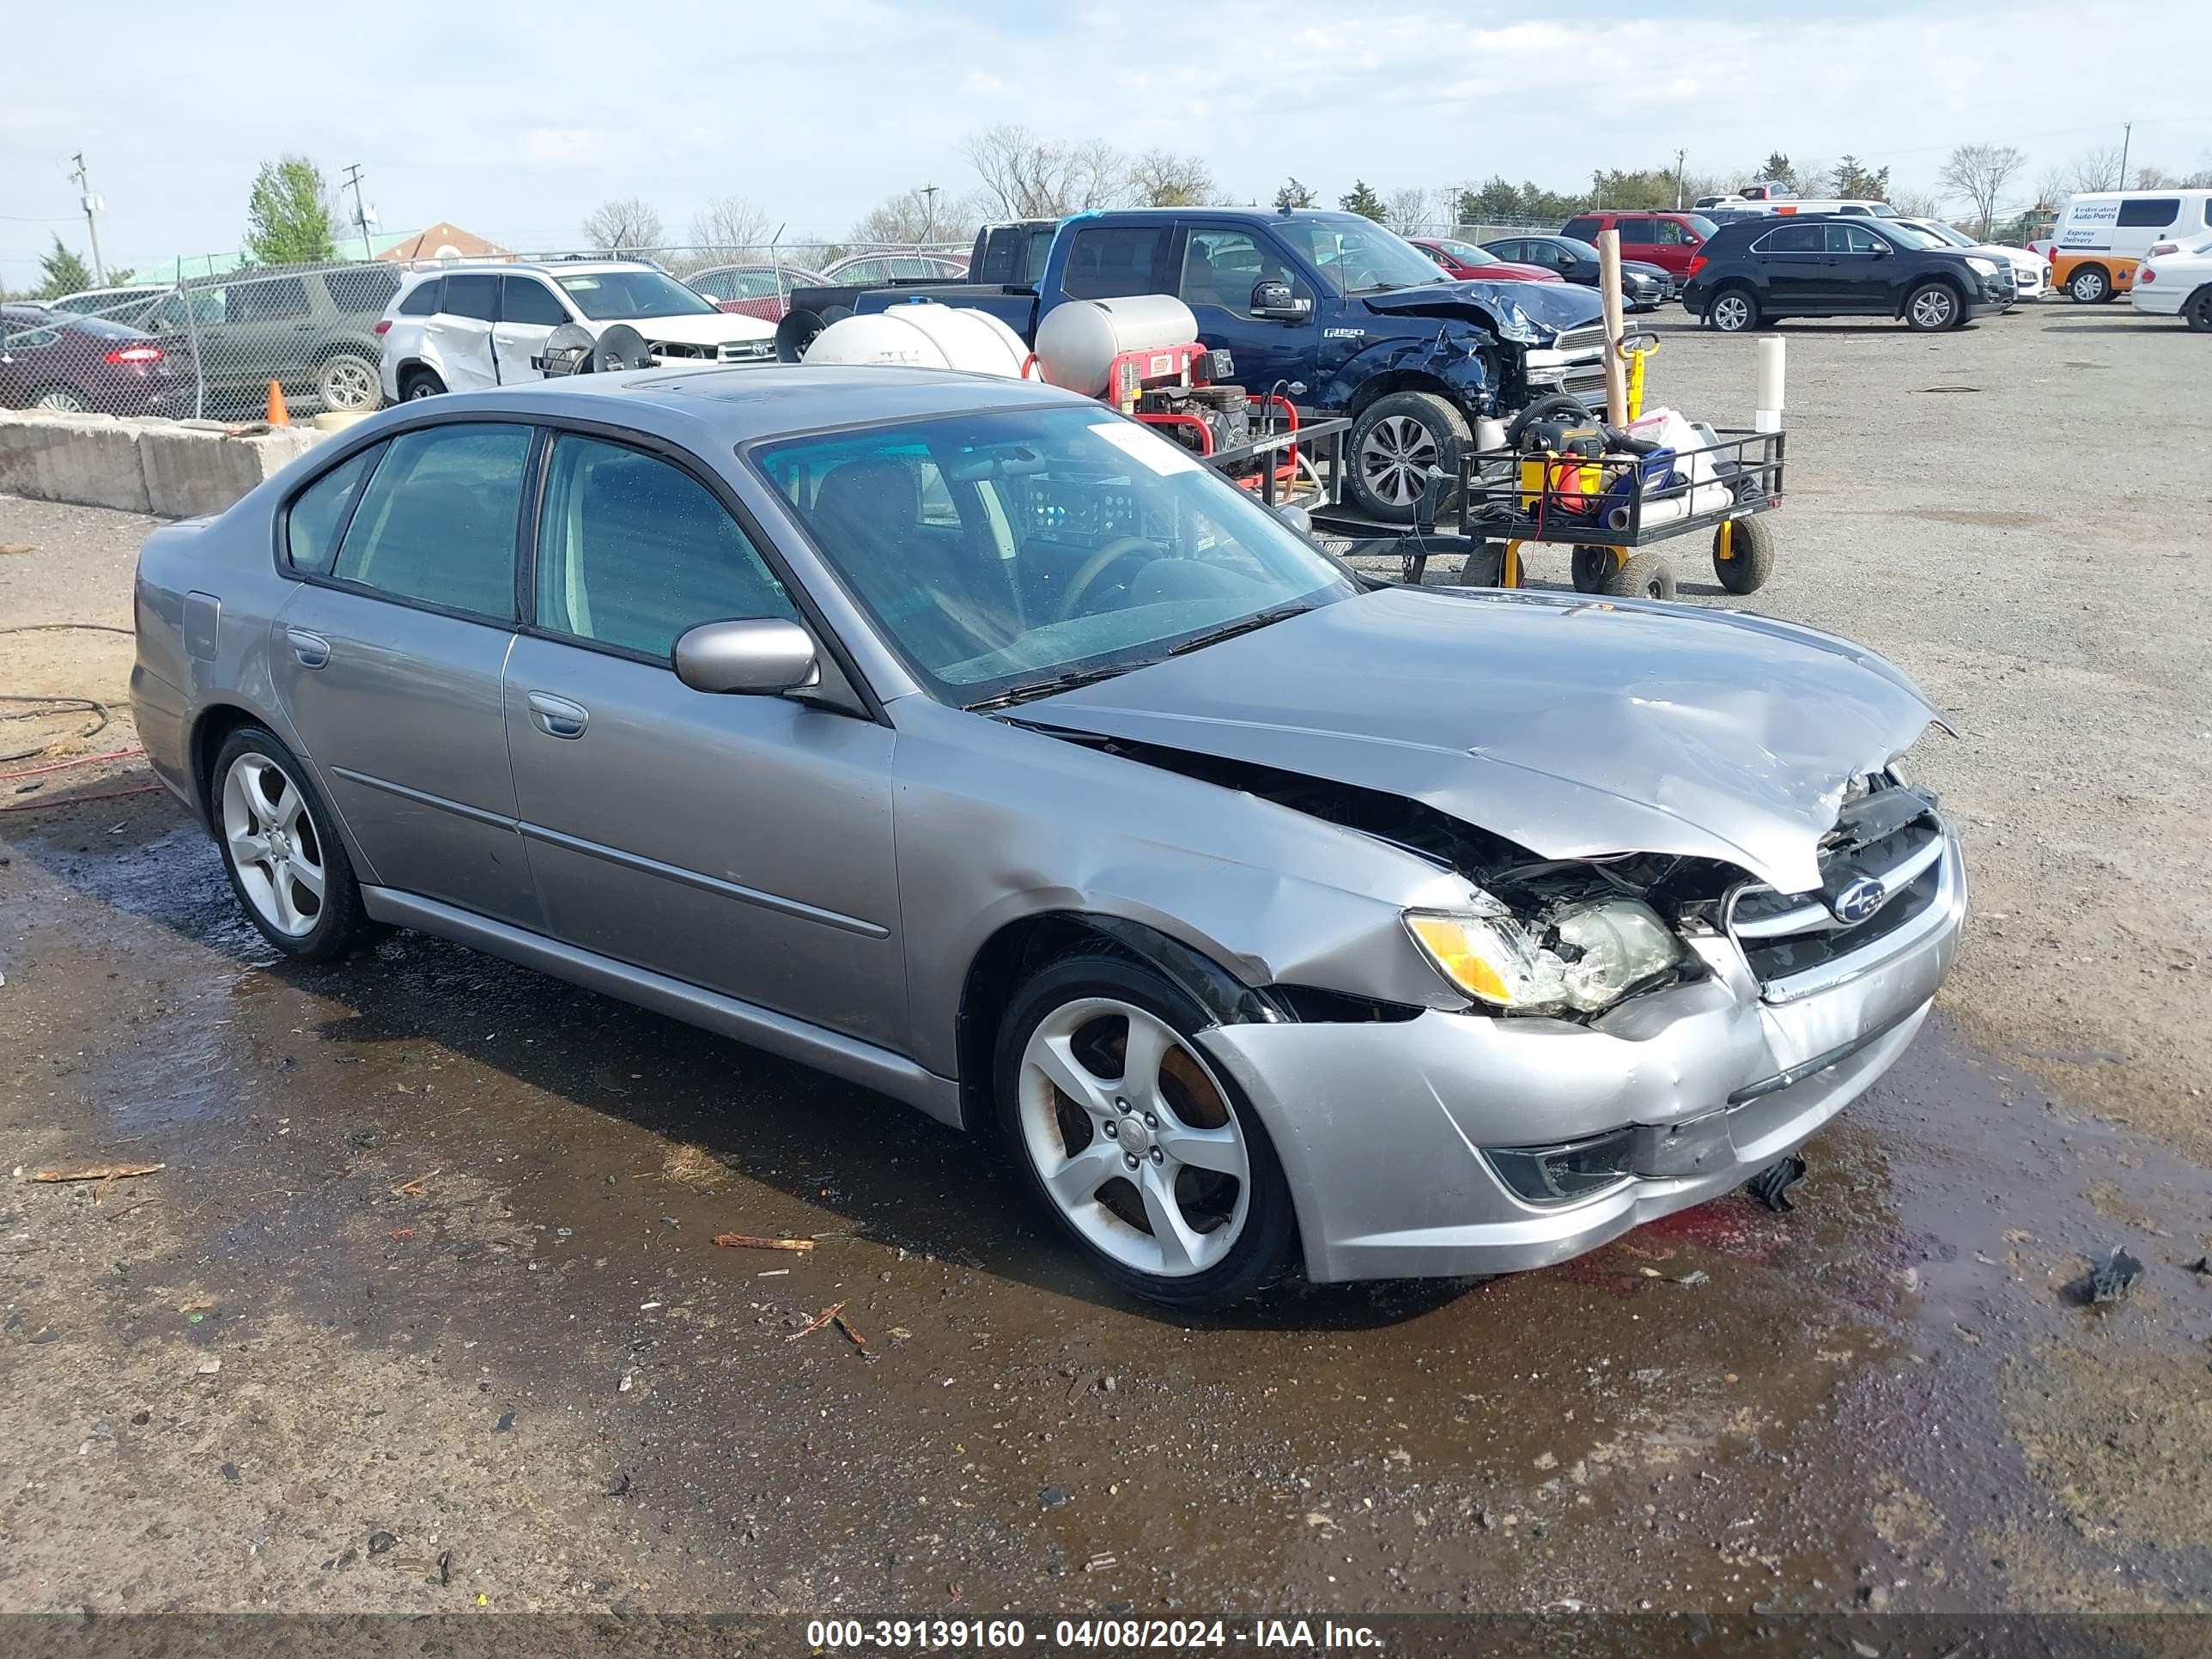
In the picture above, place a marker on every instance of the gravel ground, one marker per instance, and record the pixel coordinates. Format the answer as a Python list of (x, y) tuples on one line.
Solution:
[(423, 1315)]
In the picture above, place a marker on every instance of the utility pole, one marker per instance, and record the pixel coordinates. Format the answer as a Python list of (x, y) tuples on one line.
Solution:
[(1681, 156), (2127, 135), (91, 206), (360, 213), (929, 213)]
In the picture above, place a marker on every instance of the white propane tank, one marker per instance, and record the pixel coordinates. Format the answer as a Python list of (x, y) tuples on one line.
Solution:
[(923, 336), (1080, 339)]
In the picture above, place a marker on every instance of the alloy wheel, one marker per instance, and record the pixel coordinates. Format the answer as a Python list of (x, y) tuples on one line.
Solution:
[(1132, 1138), (1394, 458), (349, 384), (1731, 313), (62, 401), (1933, 309), (273, 845)]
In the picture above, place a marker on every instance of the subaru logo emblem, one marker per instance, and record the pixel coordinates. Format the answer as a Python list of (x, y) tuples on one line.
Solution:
[(1859, 901)]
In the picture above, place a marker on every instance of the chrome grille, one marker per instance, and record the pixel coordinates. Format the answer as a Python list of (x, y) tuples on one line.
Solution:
[(1589, 337), (1880, 868), (747, 351)]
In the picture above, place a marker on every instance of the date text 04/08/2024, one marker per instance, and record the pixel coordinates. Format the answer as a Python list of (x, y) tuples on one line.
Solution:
[(830, 1635)]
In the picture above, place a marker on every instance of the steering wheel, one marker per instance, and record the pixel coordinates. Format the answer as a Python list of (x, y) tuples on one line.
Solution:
[(1364, 277), (1087, 574)]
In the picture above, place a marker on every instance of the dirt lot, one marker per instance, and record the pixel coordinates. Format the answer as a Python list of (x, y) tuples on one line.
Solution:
[(422, 1313)]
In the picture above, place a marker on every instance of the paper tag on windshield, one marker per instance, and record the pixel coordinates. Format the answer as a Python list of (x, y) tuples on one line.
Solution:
[(1155, 453)]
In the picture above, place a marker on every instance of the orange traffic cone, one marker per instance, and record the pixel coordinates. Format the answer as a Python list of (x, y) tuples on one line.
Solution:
[(278, 415)]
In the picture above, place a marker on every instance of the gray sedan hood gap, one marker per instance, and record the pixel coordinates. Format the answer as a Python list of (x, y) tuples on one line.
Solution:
[(1575, 727)]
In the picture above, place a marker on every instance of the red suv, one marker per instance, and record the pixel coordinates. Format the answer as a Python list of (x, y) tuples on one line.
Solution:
[(1670, 240)]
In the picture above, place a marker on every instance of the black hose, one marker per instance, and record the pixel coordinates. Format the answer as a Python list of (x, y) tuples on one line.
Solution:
[(1545, 409)]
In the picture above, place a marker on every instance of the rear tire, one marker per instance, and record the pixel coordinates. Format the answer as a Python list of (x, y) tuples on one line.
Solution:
[(2197, 311), (419, 383), (1175, 1231), (1394, 442), (1751, 556), (2090, 285), (61, 400), (1645, 576), (348, 382), (1733, 311), (281, 848), (1592, 567)]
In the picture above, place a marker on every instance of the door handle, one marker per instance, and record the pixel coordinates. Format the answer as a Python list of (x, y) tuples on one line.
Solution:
[(311, 649), (557, 716)]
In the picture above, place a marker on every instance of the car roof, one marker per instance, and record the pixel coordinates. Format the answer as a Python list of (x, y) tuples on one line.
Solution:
[(740, 405), (543, 267)]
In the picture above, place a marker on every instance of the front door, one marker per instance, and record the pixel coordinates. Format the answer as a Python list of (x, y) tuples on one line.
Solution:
[(742, 843), (528, 311), (1860, 273), (389, 666), (1221, 266)]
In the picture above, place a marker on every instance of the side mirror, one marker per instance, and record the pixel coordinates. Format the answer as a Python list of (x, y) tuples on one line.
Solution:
[(761, 656), (1296, 517), (1880, 249), (1276, 301)]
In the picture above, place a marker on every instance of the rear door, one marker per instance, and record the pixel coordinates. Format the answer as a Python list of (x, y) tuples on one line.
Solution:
[(270, 334), (1639, 237), (457, 337), (388, 658), (743, 843), (1794, 260), (529, 310)]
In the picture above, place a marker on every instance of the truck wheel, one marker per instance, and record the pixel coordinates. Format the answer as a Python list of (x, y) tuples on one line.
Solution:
[(1646, 577), (1394, 443), (2089, 285), (1750, 559)]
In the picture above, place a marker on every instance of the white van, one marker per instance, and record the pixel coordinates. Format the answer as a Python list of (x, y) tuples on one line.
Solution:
[(2104, 235)]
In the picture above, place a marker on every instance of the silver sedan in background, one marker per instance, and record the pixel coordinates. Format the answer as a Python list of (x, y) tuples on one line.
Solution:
[(969, 741)]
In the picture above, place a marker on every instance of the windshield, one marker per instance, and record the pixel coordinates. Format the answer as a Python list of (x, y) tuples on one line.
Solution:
[(1002, 554), (1913, 236), (1355, 255), (1467, 253), (1700, 224), (615, 296), (1943, 233)]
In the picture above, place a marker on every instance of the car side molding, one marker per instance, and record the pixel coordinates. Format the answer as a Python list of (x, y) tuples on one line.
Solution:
[(763, 1028)]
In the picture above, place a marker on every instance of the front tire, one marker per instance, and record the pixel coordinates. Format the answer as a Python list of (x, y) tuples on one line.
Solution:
[(286, 862), (1645, 576), (1932, 308), (419, 383), (1394, 442), (1750, 558), (1592, 568), (1142, 1152), (2090, 285), (1733, 311)]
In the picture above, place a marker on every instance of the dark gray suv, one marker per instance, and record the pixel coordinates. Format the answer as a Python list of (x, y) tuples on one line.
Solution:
[(312, 331)]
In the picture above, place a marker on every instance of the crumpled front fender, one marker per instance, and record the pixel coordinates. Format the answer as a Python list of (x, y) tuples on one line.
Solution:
[(1446, 356)]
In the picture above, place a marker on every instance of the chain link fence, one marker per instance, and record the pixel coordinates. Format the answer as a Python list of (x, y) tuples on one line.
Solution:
[(206, 335)]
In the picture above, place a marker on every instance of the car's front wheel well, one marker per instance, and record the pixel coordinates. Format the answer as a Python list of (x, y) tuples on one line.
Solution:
[(1024, 947), (1399, 380)]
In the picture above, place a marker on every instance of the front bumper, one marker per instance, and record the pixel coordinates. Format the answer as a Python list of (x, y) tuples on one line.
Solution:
[(1574, 363), (1380, 1125)]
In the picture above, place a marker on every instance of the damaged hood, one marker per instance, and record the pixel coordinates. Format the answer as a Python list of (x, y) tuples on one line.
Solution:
[(1551, 307), (1575, 727)]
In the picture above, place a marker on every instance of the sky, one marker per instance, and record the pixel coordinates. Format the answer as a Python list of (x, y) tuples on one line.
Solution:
[(515, 120)]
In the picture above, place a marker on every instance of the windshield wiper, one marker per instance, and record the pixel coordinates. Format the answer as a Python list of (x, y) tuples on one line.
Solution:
[(1046, 688), (1252, 624)]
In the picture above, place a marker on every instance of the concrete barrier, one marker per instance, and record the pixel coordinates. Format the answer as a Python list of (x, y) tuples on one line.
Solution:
[(172, 469)]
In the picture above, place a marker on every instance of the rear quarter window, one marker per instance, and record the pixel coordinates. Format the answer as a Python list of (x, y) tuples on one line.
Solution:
[(318, 515), (422, 300), (1110, 262), (1583, 230), (366, 289)]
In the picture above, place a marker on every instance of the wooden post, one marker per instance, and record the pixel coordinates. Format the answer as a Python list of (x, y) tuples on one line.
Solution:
[(1608, 292)]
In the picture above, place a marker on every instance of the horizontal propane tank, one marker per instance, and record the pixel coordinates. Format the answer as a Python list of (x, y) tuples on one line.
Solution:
[(923, 335), (1078, 339)]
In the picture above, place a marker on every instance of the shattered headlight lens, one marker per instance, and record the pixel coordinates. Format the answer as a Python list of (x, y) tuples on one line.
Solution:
[(1585, 958)]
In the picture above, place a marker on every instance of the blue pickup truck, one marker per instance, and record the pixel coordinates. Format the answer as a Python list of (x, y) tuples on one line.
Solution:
[(1345, 316)]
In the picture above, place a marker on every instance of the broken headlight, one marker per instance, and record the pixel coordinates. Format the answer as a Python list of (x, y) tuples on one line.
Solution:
[(1583, 957)]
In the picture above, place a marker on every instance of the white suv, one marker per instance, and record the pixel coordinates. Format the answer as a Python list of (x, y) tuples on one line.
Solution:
[(461, 327)]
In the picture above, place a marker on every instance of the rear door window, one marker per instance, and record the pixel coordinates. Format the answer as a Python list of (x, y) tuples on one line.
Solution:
[(1585, 229), (1110, 262), (268, 303), (364, 289), (471, 294), (2150, 213), (436, 524), (1642, 232), (1793, 239)]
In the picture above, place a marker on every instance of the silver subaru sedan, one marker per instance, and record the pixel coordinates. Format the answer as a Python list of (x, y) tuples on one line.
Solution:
[(967, 740)]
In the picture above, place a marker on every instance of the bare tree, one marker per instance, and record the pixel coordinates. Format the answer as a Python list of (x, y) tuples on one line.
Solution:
[(2151, 176), (923, 214), (1979, 173), (1026, 177), (1161, 178), (2054, 187), (1915, 204), (729, 230), (1406, 211), (2098, 169), (628, 224)]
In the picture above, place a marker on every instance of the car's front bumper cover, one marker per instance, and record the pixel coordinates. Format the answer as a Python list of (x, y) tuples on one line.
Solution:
[(1381, 1127)]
